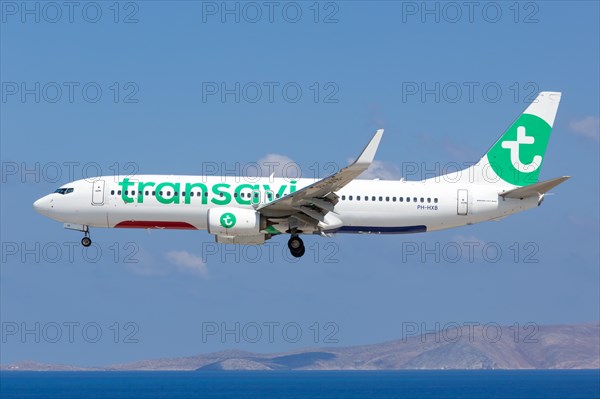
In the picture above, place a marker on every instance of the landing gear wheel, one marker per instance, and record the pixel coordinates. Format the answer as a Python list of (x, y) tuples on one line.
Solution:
[(298, 253), (86, 241), (296, 246)]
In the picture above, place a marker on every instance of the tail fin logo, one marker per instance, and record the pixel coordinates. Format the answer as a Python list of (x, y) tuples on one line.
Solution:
[(517, 157), (514, 147)]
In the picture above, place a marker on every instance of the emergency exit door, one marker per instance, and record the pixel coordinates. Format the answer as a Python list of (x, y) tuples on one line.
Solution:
[(98, 192), (463, 202)]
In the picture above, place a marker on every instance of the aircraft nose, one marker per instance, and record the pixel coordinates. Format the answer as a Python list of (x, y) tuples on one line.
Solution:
[(42, 206)]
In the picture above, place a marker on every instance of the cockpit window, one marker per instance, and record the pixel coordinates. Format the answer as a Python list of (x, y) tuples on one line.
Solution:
[(64, 190)]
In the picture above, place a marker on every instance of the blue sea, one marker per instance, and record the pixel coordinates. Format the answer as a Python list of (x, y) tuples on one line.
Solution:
[(479, 384)]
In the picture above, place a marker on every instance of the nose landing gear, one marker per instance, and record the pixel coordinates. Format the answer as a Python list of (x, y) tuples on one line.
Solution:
[(296, 246), (86, 241)]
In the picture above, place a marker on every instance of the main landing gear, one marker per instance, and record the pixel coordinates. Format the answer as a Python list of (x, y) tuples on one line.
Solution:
[(296, 246), (86, 241)]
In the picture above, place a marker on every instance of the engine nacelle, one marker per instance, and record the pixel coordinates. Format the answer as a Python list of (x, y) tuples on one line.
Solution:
[(233, 221)]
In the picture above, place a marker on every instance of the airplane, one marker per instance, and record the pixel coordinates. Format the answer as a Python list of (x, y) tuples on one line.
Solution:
[(253, 210)]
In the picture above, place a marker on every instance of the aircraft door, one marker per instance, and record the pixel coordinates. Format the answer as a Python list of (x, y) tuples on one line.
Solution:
[(98, 192), (462, 202)]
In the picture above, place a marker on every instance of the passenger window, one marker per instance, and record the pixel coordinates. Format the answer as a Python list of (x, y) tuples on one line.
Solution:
[(435, 200), (119, 192), (112, 192), (381, 199), (343, 198), (414, 199), (277, 195), (350, 198), (366, 198), (407, 199), (160, 192), (358, 197), (422, 199), (428, 200), (206, 193), (393, 199), (374, 198), (387, 199), (154, 193)]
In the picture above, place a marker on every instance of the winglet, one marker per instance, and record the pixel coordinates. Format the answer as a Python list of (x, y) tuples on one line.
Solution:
[(368, 154)]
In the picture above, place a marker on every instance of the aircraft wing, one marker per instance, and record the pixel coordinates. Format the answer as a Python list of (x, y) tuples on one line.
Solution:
[(310, 204)]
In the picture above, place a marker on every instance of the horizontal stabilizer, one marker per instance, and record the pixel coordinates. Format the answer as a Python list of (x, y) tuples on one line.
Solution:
[(534, 190)]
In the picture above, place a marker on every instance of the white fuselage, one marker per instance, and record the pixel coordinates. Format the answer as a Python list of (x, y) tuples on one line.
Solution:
[(364, 206)]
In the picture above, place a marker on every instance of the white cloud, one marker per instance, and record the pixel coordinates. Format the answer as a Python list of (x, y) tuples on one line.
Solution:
[(588, 127), (284, 166), (469, 240), (188, 263), (381, 170), (472, 247), (146, 264), (280, 165)]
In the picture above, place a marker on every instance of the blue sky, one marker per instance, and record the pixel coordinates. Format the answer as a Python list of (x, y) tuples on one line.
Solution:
[(362, 63)]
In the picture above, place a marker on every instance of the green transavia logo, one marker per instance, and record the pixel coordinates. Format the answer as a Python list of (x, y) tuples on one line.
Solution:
[(518, 155), (186, 193), (227, 220)]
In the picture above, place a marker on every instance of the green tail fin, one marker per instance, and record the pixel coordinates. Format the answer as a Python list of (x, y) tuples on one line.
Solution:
[(517, 156)]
